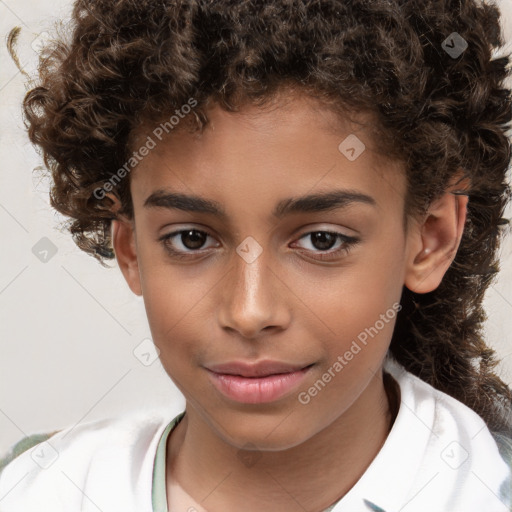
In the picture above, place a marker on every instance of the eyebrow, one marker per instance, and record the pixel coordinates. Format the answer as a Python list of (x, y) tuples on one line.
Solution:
[(319, 202)]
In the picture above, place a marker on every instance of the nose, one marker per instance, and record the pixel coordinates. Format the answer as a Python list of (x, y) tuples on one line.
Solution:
[(253, 298)]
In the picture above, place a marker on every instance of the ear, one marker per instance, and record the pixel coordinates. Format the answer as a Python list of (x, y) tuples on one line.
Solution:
[(125, 249), (433, 242)]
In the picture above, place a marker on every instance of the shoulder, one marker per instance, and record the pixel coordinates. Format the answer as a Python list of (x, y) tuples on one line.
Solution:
[(23, 445), (449, 415), (109, 460), (466, 461)]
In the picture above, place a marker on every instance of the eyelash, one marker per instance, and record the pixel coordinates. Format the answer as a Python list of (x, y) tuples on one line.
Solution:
[(348, 243)]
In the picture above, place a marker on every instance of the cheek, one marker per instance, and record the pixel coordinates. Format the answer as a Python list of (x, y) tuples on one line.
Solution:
[(171, 292), (355, 308), (344, 301), (179, 310), (168, 300)]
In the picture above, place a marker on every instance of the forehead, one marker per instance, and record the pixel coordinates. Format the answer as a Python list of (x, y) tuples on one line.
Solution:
[(286, 148)]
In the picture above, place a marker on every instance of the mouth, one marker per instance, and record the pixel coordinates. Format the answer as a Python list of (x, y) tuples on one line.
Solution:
[(256, 370), (262, 383)]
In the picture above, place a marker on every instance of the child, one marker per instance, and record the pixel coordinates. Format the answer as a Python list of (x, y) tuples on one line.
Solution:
[(342, 165)]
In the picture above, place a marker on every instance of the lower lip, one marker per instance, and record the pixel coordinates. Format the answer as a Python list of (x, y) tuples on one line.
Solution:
[(257, 390)]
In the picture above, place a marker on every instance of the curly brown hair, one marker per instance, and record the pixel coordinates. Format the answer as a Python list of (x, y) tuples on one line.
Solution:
[(129, 62)]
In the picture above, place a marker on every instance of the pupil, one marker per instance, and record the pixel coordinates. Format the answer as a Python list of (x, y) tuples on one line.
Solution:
[(322, 240), (197, 240)]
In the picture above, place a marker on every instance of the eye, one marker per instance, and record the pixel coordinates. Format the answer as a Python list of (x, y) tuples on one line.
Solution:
[(321, 241), (179, 243), (190, 242)]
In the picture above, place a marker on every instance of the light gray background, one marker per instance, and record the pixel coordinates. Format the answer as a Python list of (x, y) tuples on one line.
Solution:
[(68, 327)]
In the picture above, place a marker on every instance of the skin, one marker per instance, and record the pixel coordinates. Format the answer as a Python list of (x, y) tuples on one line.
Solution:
[(287, 305)]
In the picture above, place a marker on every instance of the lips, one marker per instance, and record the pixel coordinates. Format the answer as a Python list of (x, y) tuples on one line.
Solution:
[(254, 370), (257, 383)]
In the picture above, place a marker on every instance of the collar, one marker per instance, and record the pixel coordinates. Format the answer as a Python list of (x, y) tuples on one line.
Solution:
[(439, 455)]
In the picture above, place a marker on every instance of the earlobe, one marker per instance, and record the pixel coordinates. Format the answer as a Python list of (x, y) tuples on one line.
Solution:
[(125, 249), (434, 242)]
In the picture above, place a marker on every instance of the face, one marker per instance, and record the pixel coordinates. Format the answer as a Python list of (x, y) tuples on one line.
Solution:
[(284, 250)]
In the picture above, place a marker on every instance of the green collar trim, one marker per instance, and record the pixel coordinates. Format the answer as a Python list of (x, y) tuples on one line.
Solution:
[(159, 491)]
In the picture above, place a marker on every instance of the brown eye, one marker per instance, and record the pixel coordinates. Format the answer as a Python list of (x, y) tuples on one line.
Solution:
[(193, 239), (321, 244), (185, 241), (323, 240)]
